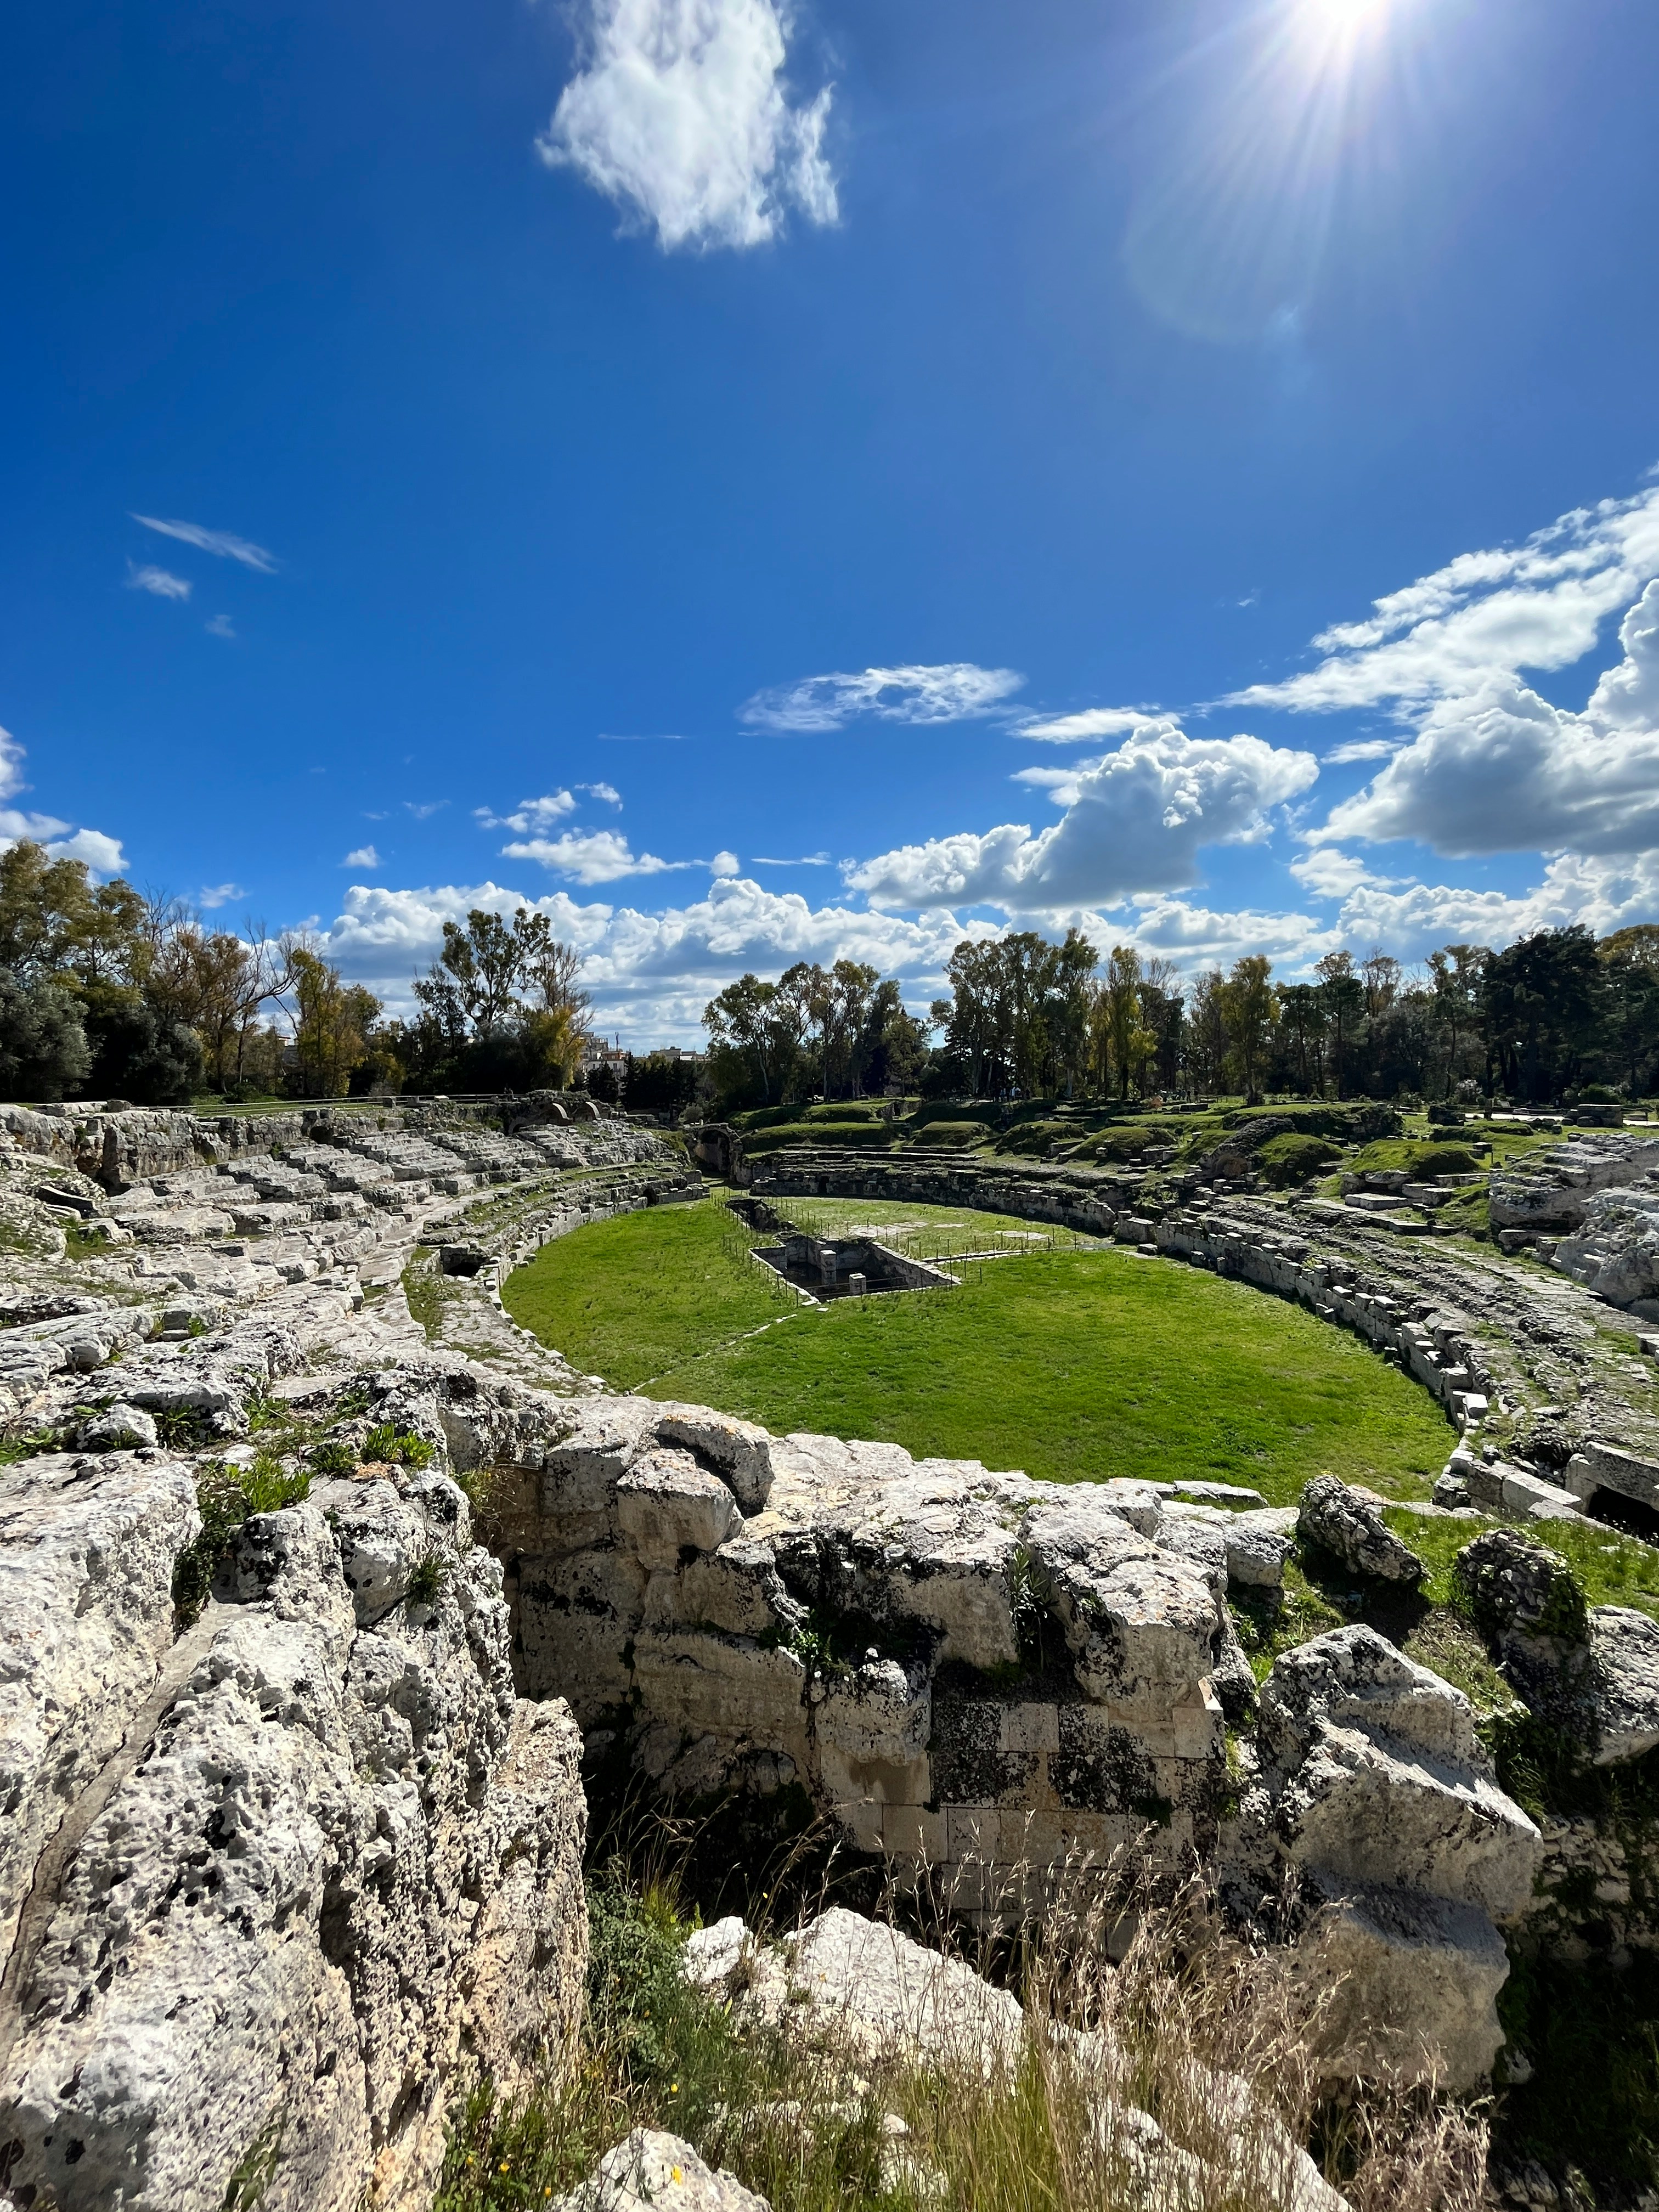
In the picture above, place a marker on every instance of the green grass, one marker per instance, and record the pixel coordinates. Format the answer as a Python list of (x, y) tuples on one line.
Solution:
[(1074, 1364), (1610, 1569), (631, 1298)]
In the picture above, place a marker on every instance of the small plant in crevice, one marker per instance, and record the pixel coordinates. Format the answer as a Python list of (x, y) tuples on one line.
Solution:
[(390, 1446), (430, 1573), (333, 1459), (183, 1428), (225, 1495), (27, 1446)]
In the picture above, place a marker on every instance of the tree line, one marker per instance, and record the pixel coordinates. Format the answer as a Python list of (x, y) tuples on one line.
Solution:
[(105, 992), (1557, 1013)]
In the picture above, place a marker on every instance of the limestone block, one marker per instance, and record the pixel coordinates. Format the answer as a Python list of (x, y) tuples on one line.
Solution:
[(741, 1690), (118, 1427), (741, 1452), (1377, 1776), (881, 1711), (382, 1539), (1413, 1982), (575, 1615), (1258, 1545), (1624, 1658), (1351, 1529), (667, 1504), (86, 1554), (736, 1587), (1133, 1614), (651, 2171), (581, 1468)]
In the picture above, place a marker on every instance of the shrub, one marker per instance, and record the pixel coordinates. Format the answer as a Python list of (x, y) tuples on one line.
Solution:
[(333, 1459), (388, 1445), (43, 1047), (1292, 1159)]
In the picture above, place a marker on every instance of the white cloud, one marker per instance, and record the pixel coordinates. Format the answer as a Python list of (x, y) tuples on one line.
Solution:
[(219, 627), (1092, 722), (1497, 769), (1539, 604), (161, 583), (224, 544), (530, 814), (651, 974), (102, 854), (1363, 749), (423, 810), (724, 864), (805, 860), (607, 792), (680, 114), (591, 856), (215, 894), (948, 691), (1135, 824), (365, 856)]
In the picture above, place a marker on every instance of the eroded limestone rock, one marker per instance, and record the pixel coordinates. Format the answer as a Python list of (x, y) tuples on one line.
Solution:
[(1352, 1528), (651, 2171)]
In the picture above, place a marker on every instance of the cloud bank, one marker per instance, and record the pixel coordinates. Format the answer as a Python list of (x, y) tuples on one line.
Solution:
[(681, 114)]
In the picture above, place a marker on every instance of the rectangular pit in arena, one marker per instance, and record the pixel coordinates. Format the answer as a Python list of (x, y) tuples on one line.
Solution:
[(847, 1267)]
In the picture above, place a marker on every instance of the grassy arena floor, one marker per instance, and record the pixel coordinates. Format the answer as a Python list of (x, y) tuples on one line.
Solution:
[(1072, 1365)]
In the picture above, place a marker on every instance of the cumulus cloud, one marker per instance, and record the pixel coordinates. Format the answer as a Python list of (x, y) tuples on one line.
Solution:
[(607, 793), (161, 583), (365, 856), (1135, 821), (1092, 722), (681, 114), (530, 814), (948, 691), (1539, 604), (591, 856), (224, 544), (724, 864), (102, 854), (651, 974), (1497, 769)]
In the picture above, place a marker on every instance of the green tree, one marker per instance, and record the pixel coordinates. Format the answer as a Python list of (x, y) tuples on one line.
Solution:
[(1249, 1014)]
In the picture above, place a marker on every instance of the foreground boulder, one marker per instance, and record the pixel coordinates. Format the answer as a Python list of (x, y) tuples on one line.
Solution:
[(315, 1866), (651, 2171), (1383, 1799)]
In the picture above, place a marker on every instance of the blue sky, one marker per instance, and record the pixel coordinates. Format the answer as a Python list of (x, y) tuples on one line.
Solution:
[(770, 483)]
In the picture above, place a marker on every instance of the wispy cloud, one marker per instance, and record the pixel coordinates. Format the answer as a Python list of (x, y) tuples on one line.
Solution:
[(944, 691), (423, 810), (1363, 749), (607, 793), (1538, 604), (805, 860), (224, 545), (365, 856), (215, 894), (680, 114), (641, 738), (1091, 722), (161, 583), (530, 814), (220, 626)]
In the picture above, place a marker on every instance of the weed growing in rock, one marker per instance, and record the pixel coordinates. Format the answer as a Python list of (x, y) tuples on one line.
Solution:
[(388, 1445), (183, 1428), (430, 1573), (333, 1459), (225, 1497)]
